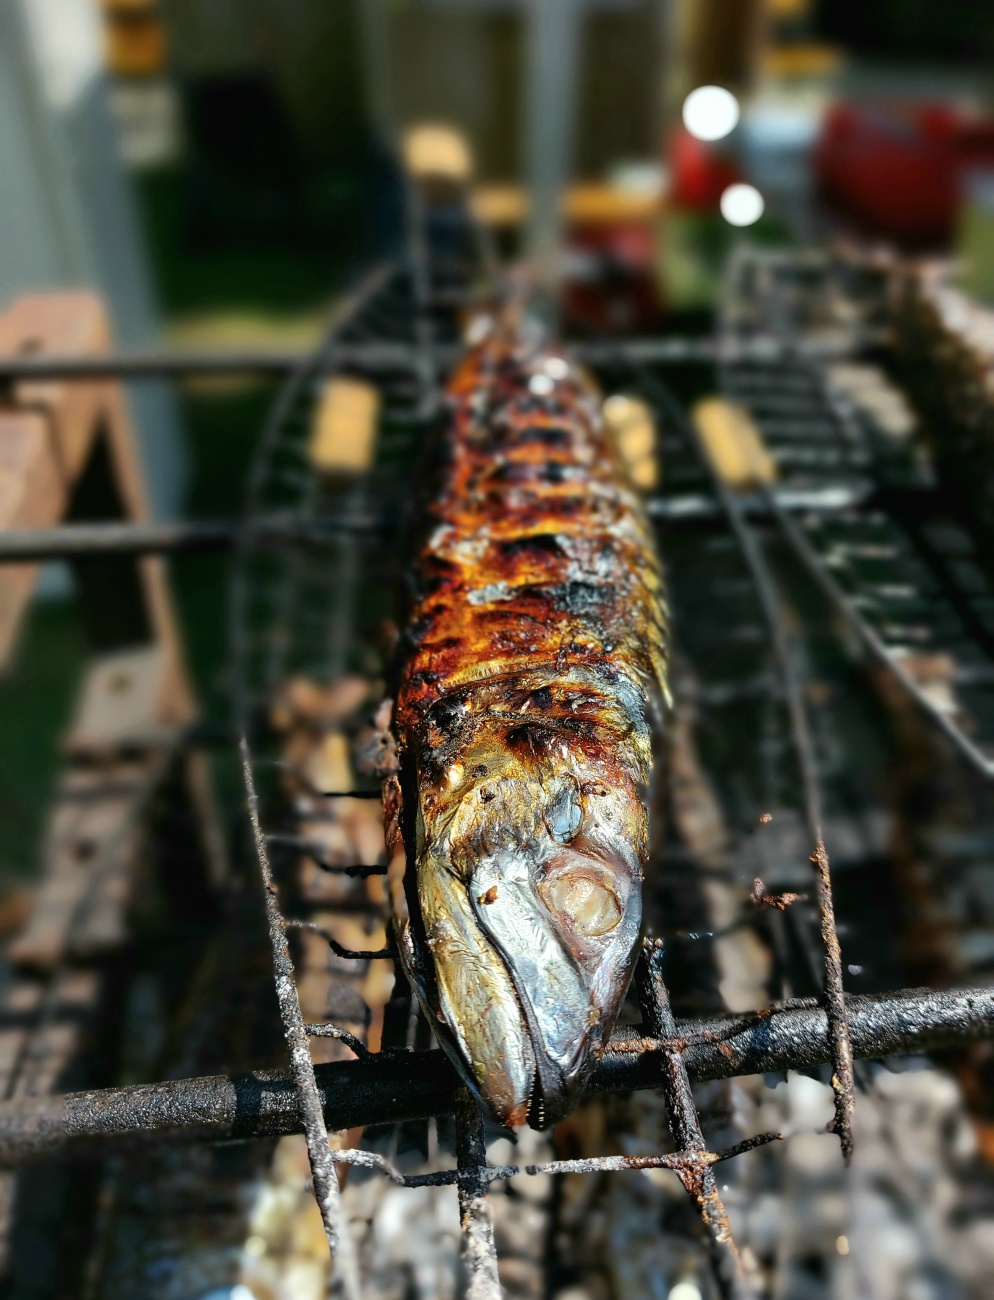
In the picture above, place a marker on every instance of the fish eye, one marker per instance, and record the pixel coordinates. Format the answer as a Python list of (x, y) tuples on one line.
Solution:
[(585, 904), (564, 816)]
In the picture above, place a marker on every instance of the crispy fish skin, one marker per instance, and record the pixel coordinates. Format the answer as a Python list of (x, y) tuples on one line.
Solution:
[(533, 683)]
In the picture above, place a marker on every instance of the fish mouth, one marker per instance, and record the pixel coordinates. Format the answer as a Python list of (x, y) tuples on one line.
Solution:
[(553, 1092), (525, 916), (566, 935)]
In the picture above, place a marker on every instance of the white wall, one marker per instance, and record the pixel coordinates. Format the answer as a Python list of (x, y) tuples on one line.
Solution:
[(67, 215)]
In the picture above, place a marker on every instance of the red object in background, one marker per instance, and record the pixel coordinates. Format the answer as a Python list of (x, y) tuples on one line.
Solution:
[(609, 285), (699, 172), (898, 168), (976, 146)]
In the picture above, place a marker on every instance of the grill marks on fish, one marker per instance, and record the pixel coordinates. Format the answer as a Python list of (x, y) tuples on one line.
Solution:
[(535, 669), (539, 549)]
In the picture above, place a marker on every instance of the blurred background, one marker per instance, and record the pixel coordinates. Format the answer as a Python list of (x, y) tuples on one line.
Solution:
[(213, 178)]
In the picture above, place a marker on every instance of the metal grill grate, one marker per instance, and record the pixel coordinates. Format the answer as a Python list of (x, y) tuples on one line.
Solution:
[(300, 559), (818, 446)]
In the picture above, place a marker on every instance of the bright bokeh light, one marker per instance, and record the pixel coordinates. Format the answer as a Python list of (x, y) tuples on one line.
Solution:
[(710, 112), (742, 205), (685, 1290)]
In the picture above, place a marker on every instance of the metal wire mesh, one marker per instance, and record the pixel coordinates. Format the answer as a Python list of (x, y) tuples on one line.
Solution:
[(308, 592), (818, 448)]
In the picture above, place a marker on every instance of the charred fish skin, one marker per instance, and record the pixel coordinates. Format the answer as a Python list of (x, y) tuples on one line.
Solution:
[(532, 688)]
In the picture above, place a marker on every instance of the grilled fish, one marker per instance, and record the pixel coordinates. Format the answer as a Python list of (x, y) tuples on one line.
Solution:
[(531, 688)]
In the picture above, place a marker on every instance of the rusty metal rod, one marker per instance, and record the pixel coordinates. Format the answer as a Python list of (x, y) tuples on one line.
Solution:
[(483, 1175), (323, 1172), (802, 741), (70, 541), (878, 648), (685, 1126), (400, 1086), (478, 1255), (158, 363), (679, 1162)]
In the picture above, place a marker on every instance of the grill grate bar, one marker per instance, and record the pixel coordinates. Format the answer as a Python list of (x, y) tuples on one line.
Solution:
[(803, 749), (326, 1189), (684, 1124), (18, 546), (386, 356), (69, 541), (403, 1085), (345, 1273), (878, 648), (320, 856), (350, 954), (479, 1252), (872, 610), (393, 1086)]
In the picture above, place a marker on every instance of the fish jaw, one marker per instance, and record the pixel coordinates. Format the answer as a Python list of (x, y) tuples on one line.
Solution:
[(570, 965), (531, 915), (478, 1018)]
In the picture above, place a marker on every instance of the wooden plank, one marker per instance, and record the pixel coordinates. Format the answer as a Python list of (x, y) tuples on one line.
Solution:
[(54, 1046), (122, 722), (151, 568), (54, 438), (69, 324), (499, 205), (39, 468), (33, 494), (81, 905), (18, 1011), (594, 204), (67, 449), (126, 700), (588, 204)]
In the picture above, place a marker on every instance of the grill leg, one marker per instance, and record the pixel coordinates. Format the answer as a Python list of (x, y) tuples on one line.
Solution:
[(479, 1255)]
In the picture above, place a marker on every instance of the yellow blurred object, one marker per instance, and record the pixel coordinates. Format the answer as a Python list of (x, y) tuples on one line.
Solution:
[(733, 444), (631, 421), (588, 203), (788, 8), (606, 204), (433, 152), (329, 766), (344, 434), (499, 205), (802, 60), (134, 38)]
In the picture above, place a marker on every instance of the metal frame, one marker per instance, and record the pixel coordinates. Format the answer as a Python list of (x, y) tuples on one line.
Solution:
[(30, 544), (401, 1086), (843, 445), (392, 1086), (375, 356), (801, 741)]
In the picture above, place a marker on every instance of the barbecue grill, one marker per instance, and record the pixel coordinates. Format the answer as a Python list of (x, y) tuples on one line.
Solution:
[(313, 565)]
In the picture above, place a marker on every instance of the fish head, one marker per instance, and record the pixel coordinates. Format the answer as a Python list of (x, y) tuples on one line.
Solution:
[(530, 856)]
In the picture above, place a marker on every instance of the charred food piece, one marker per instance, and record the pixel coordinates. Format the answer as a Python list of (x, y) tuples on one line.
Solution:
[(533, 680)]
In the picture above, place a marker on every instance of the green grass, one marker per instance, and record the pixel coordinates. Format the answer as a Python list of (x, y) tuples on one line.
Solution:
[(276, 275), (222, 432)]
